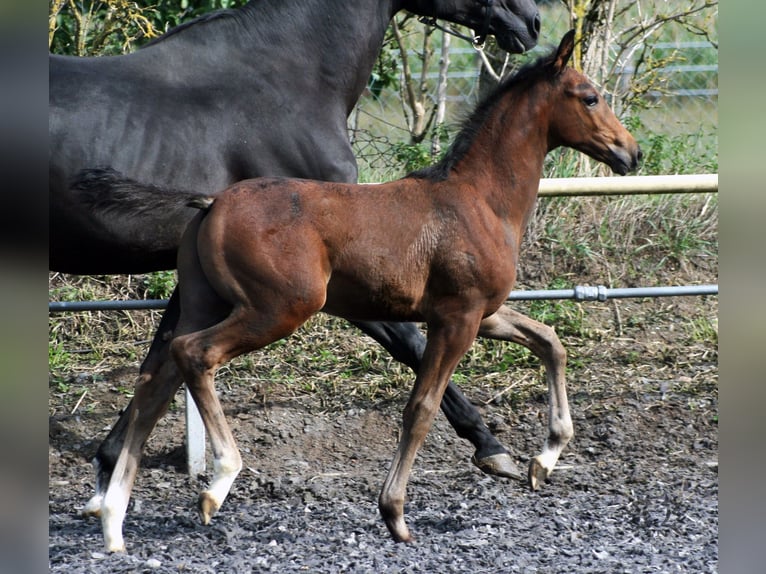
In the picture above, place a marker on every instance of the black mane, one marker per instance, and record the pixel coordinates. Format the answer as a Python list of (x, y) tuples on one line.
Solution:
[(472, 125), (223, 14)]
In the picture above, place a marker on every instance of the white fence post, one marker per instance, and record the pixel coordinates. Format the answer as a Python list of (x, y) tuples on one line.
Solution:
[(195, 437)]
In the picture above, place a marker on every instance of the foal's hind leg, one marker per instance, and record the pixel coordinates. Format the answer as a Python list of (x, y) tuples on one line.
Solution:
[(164, 388), (509, 325), (198, 356), (406, 343)]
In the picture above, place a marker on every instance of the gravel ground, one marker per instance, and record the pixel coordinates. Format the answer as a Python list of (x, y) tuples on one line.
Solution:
[(636, 490)]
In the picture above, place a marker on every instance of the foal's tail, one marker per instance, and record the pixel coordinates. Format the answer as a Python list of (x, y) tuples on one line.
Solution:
[(106, 191), (203, 202)]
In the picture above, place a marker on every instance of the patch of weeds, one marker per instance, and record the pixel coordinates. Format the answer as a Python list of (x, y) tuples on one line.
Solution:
[(59, 358), (632, 357), (125, 391), (65, 293), (412, 156), (159, 285), (703, 330), (460, 378), (62, 385), (694, 152), (575, 361)]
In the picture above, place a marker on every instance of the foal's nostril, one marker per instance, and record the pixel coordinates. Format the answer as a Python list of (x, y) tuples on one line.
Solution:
[(536, 26), (640, 155)]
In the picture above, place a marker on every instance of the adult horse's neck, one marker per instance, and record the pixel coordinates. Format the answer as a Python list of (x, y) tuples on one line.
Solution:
[(327, 43)]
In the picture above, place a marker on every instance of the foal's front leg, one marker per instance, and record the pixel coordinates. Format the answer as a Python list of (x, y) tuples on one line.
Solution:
[(406, 343), (447, 343), (509, 325)]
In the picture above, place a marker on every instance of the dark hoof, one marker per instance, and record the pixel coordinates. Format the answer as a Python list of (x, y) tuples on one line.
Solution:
[(499, 464)]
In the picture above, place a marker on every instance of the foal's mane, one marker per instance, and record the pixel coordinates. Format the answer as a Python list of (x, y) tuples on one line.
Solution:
[(472, 125)]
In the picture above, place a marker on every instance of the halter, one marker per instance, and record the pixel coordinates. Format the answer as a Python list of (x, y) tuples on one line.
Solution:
[(476, 41)]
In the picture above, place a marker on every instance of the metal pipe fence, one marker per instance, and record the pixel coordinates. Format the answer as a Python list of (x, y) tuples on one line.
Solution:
[(578, 293)]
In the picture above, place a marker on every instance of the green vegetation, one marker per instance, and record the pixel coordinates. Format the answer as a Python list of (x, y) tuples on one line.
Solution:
[(159, 285), (109, 27)]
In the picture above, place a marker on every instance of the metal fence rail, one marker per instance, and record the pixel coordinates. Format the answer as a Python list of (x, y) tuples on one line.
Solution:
[(628, 185), (601, 293), (578, 293)]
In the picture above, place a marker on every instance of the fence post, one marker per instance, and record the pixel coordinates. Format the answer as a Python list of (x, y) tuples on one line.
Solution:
[(195, 437)]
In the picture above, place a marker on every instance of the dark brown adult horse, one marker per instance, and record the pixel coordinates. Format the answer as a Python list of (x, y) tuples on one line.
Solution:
[(261, 90), (439, 246)]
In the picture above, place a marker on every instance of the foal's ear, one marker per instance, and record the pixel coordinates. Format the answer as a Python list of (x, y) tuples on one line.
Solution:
[(566, 47)]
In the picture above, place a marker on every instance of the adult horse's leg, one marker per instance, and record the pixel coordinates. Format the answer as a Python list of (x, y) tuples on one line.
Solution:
[(447, 343), (406, 344), (148, 405), (165, 388), (509, 325)]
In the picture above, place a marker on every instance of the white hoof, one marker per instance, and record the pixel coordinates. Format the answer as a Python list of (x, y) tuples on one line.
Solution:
[(93, 506)]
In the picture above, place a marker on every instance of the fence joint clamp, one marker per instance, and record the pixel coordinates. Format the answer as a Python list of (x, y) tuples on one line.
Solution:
[(590, 293)]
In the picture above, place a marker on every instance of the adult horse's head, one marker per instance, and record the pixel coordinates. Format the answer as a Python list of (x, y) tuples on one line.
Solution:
[(514, 23)]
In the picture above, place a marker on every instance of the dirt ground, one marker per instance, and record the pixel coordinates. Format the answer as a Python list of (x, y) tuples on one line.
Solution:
[(635, 491)]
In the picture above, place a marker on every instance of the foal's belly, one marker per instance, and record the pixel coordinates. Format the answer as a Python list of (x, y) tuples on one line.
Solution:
[(355, 299)]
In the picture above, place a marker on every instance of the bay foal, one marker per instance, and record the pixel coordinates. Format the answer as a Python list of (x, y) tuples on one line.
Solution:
[(439, 246)]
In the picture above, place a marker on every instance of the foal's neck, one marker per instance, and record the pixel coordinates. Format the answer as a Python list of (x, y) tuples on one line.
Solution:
[(505, 161)]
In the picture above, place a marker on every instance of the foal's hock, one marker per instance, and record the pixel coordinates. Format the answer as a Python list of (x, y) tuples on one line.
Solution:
[(440, 246)]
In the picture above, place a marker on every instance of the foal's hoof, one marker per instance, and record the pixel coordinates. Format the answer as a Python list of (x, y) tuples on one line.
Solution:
[(399, 531), (537, 474), (115, 547), (207, 507), (93, 507), (500, 464)]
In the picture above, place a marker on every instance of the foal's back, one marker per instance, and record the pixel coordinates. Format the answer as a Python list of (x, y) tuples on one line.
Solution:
[(366, 252)]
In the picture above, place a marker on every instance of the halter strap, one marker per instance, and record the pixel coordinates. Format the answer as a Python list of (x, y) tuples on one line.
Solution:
[(477, 41)]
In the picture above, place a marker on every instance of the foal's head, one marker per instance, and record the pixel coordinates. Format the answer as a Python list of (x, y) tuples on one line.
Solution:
[(581, 118)]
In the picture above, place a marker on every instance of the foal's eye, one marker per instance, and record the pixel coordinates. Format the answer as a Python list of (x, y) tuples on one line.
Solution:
[(590, 100)]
